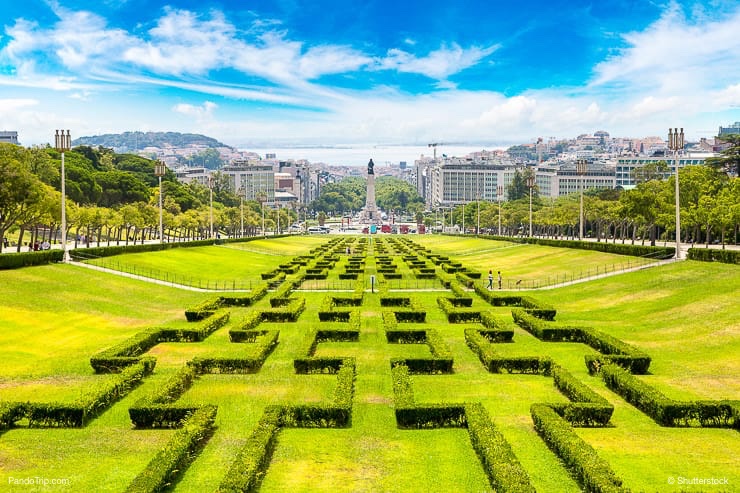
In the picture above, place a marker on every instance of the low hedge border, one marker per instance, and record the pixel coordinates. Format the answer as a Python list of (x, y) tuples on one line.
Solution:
[(248, 469), (157, 408), (264, 340), (78, 413), (592, 472), (495, 363), (441, 361), (714, 255), (455, 314), (503, 469), (611, 349), (666, 411), (287, 313), (177, 454), (129, 352), (618, 248), (527, 303)]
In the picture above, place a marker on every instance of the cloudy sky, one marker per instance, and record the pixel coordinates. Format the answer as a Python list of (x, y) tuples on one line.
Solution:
[(323, 72)]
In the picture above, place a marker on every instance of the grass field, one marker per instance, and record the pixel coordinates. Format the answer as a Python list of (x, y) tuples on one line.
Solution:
[(55, 317)]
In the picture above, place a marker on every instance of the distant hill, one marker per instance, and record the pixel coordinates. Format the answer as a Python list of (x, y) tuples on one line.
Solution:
[(133, 141)]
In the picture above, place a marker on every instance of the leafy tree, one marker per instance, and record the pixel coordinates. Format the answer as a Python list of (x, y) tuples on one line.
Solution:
[(120, 187), (21, 192), (650, 171), (729, 162), (518, 188)]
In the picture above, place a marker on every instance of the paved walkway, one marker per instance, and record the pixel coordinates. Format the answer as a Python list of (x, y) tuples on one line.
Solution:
[(155, 281)]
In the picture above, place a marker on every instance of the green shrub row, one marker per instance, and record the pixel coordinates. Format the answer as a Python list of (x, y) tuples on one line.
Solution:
[(441, 360), (157, 408), (611, 349), (455, 314), (27, 259), (504, 470), (264, 340), (529, 304), (129, 352), (93, 402), (388, 300), (202, 310), (177, 454), (618, 248), (411, 415), (593, 473), (244, 330), (497, 329), (208, 307), (666, 411), (287, 313), (714, 255), (496, 363), (247, 471)]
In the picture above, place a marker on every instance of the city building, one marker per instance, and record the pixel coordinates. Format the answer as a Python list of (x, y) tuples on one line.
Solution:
[(732, 129), (256, 181), (8, 137), (626, 165), (193, 174)]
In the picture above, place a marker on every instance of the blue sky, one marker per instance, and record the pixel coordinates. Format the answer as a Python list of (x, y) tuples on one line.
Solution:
[(379, 72)]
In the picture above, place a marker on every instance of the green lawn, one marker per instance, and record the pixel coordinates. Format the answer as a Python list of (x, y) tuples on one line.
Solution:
[(55, 317)]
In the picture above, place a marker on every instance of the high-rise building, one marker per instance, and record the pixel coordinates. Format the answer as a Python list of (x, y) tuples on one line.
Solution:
[(255, 180)]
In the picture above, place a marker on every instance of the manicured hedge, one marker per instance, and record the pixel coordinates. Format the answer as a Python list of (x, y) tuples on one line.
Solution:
[(666, 411), (287, 313), (495, 363), (265, 341), (455, 314), (593, 473), (93, 402), (157, 408), (244, 331), (714, 255), (177, 454), (612, 349), (529, 304), (27, 259), (504, 471), (618, 248)]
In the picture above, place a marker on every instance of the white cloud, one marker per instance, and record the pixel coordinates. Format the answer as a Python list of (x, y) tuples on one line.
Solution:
[(438, 64), (10, 105), (201, 113)]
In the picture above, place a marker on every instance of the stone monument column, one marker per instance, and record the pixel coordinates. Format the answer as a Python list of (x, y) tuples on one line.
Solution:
[(370, 214)]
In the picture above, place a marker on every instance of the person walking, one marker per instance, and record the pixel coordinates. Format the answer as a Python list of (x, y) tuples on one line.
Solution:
[(500, 280), (490, 280)]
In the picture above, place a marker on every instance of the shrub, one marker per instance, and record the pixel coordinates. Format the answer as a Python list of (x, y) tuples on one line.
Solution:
[(26, 259), (592, 472), (202, 310), (155, 410), (177, 454), (504, 471), (714, 255)]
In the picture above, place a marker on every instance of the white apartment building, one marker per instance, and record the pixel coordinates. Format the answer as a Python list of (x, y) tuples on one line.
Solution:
[(626, 165), (256, 181), (9, 137), (193, 174), (457, 182)]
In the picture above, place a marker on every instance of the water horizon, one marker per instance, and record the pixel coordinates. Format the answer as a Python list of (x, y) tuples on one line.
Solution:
[(360, 154)]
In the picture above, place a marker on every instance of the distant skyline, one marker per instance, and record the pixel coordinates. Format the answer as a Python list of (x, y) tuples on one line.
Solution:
[(277, 73)]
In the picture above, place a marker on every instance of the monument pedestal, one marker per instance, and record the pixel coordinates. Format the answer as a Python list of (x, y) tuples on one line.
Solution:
[(370, 213)]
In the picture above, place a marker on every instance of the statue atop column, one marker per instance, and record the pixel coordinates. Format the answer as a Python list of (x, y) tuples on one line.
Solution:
[(370, 213)]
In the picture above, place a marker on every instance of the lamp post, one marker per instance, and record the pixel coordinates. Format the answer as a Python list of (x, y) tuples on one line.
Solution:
[(159, 170), (675, 143), (261, 198), (581, 170), (210, 212), (63, 143), (241, 210), (530, 185), (499, 194)]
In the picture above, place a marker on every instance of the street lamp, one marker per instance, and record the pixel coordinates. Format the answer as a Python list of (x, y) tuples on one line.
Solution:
[(159, 170), (241, 209), (261, 198), (675, 143), (210, 212), (530, 185), (63, 143), (499, 194), (581, 170)]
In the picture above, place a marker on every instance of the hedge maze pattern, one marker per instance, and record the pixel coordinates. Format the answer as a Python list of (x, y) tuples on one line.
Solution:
[(404, 321)]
